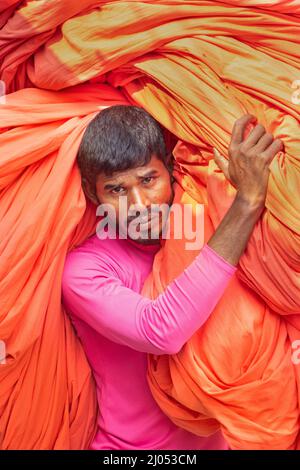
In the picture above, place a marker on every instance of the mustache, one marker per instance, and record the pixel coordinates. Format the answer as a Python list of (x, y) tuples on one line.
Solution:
[(145, 214)]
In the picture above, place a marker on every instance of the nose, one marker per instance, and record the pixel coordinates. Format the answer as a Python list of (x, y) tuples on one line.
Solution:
[(138, 199)]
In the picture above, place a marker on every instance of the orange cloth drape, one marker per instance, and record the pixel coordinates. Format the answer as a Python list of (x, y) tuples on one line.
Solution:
[(196, 66), (47, 397)]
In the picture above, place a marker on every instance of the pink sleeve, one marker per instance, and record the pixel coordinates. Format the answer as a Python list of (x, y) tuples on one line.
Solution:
[(162, 326)]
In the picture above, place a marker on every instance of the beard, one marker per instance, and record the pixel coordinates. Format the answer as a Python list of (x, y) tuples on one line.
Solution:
[(151, 235)]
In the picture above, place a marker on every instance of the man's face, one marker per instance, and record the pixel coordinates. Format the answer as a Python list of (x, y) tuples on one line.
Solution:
[(142, 187)]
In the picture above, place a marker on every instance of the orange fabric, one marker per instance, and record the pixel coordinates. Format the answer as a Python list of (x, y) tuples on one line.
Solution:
[(47, 397), (196, 66), (235, 370)]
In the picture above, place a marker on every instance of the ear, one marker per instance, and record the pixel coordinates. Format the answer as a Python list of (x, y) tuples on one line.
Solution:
[(88, 192)]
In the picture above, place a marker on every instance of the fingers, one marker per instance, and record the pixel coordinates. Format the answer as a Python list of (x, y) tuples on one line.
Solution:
[(239, 127), (272, 150), (258, 141), (264, 142), (222, 162), (255, 136)]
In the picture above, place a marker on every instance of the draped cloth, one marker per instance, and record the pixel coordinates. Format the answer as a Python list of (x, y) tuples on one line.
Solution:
[(196, 66)]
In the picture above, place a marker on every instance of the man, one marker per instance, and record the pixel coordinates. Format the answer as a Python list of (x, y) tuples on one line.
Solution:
[(123, 154)]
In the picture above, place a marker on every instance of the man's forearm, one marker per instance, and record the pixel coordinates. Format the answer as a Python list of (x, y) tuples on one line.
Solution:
[(232, 235)]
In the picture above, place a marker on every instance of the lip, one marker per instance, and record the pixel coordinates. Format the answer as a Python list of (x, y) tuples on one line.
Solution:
[(145, 223)]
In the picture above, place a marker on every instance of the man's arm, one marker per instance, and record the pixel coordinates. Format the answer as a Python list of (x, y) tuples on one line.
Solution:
[(94, 293)]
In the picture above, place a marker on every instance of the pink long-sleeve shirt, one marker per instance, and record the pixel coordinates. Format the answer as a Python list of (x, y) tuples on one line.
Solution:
[(102, 281)]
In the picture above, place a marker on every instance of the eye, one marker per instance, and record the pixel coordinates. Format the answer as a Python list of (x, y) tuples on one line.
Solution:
[(117, 190), (148, 179)]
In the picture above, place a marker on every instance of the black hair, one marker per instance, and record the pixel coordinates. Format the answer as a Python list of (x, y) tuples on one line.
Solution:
[(117, 139)]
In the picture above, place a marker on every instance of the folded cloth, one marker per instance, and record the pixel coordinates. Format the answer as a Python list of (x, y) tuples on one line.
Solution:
[(196, 67)]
